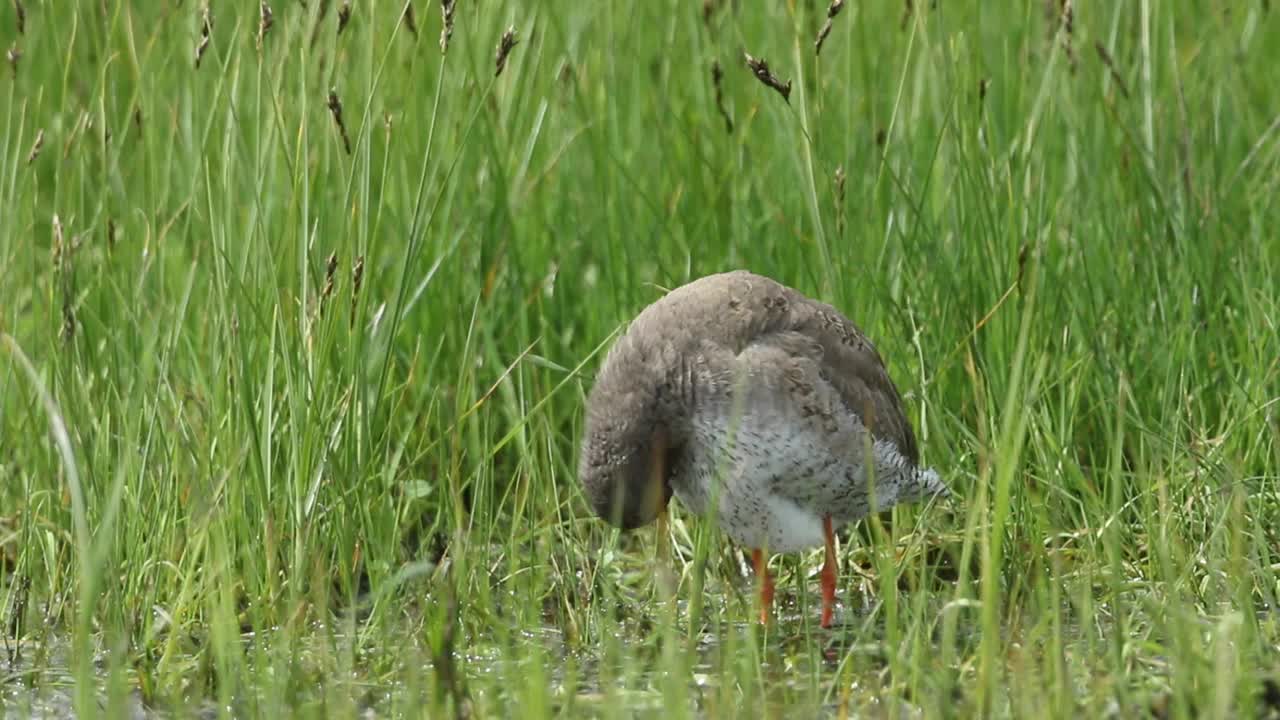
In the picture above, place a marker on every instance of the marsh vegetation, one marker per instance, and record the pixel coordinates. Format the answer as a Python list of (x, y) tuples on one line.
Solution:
[(299, 303)]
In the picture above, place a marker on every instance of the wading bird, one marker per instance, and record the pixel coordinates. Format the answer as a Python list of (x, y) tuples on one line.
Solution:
[(746, 399)]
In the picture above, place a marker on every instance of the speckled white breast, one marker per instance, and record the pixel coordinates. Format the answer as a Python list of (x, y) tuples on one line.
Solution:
[(772, 482)]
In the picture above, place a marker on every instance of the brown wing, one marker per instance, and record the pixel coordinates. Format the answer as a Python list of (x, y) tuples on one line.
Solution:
[(735, 309), (851, 363)]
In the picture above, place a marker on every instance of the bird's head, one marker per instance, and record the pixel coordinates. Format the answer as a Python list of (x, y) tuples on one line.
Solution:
[(632, 435), (625, 467)]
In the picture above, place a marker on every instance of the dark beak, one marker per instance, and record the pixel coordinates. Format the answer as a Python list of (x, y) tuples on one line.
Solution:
[(657, 490)]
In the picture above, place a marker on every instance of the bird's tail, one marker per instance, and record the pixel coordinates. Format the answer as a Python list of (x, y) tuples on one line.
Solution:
[(928, 484), (924, 484)]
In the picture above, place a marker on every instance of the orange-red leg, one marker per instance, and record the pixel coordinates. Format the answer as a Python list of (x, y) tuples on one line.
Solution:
[(828, 574), (761, 564)]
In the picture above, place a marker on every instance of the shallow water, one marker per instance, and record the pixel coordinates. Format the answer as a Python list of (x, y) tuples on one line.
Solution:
[(48, 690), (573, 676)]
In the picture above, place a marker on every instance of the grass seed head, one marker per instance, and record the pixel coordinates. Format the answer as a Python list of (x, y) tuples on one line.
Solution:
[(832, 11), (717, 76), (265, 20), (57, 249), (330, 271), (1060, 17), (410, 20), (335, 108), (344, 15), (760, 68), (446, 31), (505, 44), (357, 278), (200, 50), (206, 34), (13, 55), (35, 147)]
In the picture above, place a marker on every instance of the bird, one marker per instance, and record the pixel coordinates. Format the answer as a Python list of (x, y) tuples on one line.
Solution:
[(753, 404)]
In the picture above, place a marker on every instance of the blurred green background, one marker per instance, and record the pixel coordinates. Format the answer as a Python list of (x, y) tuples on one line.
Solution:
[(289, 406)]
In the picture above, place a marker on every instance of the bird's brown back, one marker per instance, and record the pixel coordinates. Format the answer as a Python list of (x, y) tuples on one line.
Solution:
[(736, 309)]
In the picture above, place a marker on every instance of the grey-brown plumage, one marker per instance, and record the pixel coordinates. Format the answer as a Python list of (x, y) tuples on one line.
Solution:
[(740, 395)]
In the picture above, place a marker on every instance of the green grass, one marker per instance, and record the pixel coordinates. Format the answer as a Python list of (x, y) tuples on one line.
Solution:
[(234, 482)]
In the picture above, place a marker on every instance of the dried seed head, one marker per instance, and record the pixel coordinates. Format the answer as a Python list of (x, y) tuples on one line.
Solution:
[(717, 75), (357, 277), (20, 16), (832, 11), (331, 269), (13, 55), (35, 148), (505, 44), (760, 68), (410, 21), (335, 107), (265, 20), (206, 34), (1059, 16), (344, 15), (57, 249), (111, 233), (446, 31), (982, 89)]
